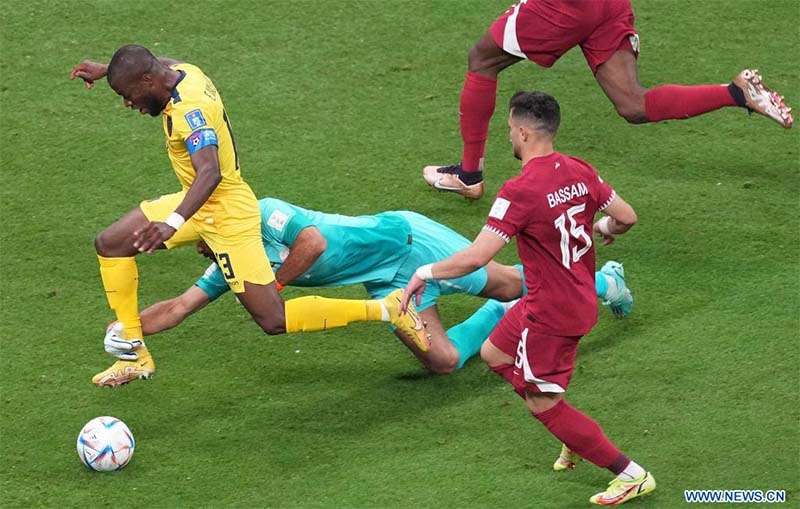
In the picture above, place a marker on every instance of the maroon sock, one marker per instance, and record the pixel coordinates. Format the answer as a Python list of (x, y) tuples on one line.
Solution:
[(582, 435), (476, 108), (679, 102)]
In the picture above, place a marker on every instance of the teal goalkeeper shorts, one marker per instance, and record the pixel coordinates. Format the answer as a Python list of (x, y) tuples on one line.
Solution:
[(431, 242)]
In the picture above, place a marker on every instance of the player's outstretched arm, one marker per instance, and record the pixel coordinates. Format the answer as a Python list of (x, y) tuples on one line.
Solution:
[(306, 250), (619, 218), (169, 313), (485, 246), (89, 72)]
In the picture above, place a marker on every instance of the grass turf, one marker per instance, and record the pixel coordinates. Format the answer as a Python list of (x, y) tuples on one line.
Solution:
[(336, 106)]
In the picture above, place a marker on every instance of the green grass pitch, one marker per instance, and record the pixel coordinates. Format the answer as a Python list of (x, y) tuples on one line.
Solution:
[(337, 106)]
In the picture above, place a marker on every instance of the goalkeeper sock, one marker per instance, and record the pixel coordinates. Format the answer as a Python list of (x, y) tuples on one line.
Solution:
[(469, 335), (121, 283), (313, 313), (605, 286)]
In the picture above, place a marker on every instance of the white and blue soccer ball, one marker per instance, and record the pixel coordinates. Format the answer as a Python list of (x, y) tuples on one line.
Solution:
[(105, 444)]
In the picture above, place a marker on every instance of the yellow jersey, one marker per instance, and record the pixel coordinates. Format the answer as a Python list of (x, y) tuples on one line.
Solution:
[(193, 119)]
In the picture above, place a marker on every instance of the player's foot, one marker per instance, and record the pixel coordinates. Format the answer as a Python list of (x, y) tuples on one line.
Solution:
[(621, 303), (449, 178), (620, 491), (762, 100), (566, 460), (122, 372), (410, 322)]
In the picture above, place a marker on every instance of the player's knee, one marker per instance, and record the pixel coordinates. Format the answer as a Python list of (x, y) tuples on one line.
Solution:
[(632, 108), (272, 325), (103, 243), (541, 402), (489, 354), (443, 366)]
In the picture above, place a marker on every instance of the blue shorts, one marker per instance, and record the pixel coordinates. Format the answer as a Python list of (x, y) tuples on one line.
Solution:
[(430, 243)]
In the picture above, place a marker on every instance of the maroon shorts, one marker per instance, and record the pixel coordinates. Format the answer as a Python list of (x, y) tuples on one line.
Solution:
[(542, 362), (543, 30)]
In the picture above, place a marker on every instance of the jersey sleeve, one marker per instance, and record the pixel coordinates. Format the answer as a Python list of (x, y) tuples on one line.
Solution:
[(212, 282), (282, 222), (508, 214), (192, 124), (603, 193)]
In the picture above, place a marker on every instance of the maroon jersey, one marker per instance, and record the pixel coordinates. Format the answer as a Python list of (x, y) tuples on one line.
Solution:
[(550, 208)]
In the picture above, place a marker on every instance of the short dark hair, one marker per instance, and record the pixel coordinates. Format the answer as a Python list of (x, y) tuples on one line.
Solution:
[(130, 62), (540, 110)]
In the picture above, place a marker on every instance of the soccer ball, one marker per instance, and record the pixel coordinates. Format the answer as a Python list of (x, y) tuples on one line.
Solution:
[(105, 444)]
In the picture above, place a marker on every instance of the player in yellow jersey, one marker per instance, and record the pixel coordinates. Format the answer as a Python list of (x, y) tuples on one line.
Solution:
[(215, 204)]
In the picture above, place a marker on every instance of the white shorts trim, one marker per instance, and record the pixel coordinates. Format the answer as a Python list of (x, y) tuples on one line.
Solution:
[(527, 370), (510, 42)]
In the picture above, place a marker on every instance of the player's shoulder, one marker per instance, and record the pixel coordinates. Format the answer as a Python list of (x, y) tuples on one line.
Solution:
[(519, 185), (578, 163), (269, 204), (190, 70), (276, 213), (194, 90)]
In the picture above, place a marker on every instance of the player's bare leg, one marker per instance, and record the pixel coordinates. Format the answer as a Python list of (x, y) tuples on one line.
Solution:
[(451, 348), (442, 357), (618, 77), (478, 96), (117, 240), (115, 252), (265, 305), (503, 282)]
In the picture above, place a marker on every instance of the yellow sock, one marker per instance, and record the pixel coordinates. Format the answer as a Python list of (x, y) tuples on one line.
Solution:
[(308, 314), (121, 282)]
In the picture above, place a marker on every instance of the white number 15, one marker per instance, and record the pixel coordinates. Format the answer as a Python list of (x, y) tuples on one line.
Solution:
[(577, 232)]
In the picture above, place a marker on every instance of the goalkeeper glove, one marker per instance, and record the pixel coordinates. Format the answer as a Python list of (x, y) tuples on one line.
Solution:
[(116, 345)]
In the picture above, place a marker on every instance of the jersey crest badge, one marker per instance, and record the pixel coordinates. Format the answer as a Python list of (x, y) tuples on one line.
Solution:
[(277, 220), (499, 208), (195, 119)]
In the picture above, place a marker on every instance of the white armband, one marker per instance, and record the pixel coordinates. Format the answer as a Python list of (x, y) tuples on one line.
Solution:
[(175, 220), (602, 225), (425, 272)]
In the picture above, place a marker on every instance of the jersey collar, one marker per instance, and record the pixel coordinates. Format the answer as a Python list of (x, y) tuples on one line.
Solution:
[(539, 160), (175, 97)]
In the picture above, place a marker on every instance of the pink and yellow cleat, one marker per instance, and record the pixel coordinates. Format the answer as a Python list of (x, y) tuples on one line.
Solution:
[(620, 491)]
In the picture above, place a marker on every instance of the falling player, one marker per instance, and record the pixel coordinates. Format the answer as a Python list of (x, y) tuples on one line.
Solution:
[(308, 248), (215, 204)]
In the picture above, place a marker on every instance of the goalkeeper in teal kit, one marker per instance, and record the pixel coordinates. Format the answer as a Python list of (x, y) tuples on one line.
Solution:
[(381, 252)]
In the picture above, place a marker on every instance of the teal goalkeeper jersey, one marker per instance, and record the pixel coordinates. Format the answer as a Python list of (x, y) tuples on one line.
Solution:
[(362, 249)]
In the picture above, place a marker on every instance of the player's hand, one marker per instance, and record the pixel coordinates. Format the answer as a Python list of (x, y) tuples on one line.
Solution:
[(150, 238), (115, 344), (89, 72), (415, 287), (607, 239)]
